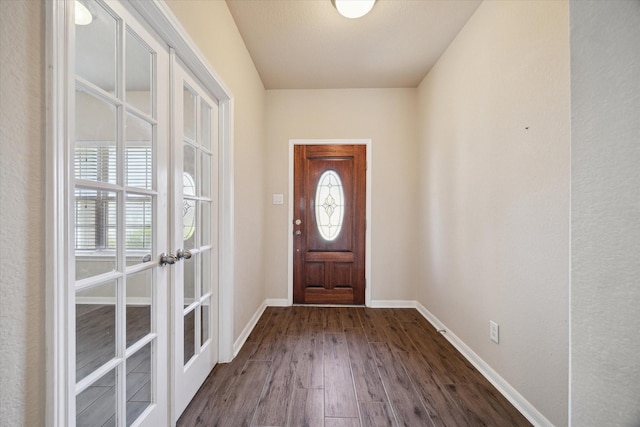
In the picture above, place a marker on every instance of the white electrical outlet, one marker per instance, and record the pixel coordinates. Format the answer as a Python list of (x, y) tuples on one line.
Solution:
[(494, 332)]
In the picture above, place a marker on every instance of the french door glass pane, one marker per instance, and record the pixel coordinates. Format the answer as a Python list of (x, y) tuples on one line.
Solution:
[(139, 217), (189, 116), (138, 383), (138, 305), (96, 48), (205, 229), (95, 149), (205, 279), (138, 166), (205, 125), (189, 280), (189, 221), (95, 234), (95, 328), (204, 321), (96, 405), (189, 335), (205, 167), (138, 74), (189, 190), (189, 165)]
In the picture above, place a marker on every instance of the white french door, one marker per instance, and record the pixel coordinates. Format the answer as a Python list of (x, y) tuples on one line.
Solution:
[(140, 178), (117, 215), (194, 236)]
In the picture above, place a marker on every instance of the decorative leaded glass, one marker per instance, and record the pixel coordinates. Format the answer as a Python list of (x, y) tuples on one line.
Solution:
[(329, 205)]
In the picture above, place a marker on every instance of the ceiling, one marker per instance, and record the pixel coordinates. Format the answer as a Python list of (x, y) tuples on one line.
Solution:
[(306, 44)]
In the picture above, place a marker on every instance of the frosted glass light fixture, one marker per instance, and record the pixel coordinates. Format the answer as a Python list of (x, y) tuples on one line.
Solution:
[(83, 16), (353, 8)]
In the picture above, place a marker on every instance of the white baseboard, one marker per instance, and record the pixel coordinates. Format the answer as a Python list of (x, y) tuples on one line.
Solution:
[(269, 302), (277, 302), (237, 345), (382, 303), (511, 394)]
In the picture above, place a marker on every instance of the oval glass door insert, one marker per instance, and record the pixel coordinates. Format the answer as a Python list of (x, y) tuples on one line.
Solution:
[(329, 205)]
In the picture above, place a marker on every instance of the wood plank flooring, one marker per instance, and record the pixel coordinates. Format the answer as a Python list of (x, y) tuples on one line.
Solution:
[(347, 366)]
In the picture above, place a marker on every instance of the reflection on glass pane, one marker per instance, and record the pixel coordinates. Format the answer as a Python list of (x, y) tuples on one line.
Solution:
[(189, 189), (95, 328), (96, 405), (138, 383), (96, 48), (206, 278), (95, 156), (205, 235), (205, 162), (189, 114), (189, 223), (189, 335), (138, 305), (138, 162), (138, 74), (95, 232), (205, 140), (189, 165), (190, 280), (204, 321), (139, 217)]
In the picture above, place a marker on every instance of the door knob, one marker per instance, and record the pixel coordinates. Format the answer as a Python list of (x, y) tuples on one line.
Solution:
[(298, 222), (183, 254), (298, 232), (167, 259)]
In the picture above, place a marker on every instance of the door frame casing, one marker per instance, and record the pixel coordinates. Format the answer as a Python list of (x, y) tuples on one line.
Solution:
[(367, 260), (59, 26)]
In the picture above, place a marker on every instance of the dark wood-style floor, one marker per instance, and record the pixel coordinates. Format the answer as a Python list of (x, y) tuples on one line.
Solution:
[(351, 366)]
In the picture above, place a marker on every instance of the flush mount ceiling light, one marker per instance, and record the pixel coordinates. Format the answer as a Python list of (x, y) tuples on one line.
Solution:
[(353, 8), (83, 16)]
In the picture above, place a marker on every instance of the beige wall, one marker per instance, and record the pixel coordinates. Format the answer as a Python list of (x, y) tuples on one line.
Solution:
[(494, 192), (388, 118), (210, 25), (605, 213), (22, 243)]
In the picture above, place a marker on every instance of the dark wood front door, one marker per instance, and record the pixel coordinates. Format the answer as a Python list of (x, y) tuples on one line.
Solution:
[(329, 224)]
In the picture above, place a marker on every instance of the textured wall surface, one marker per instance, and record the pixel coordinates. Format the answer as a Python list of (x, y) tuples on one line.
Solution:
[(388, 118), (22, 243), (494, 190), (605, 230)]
